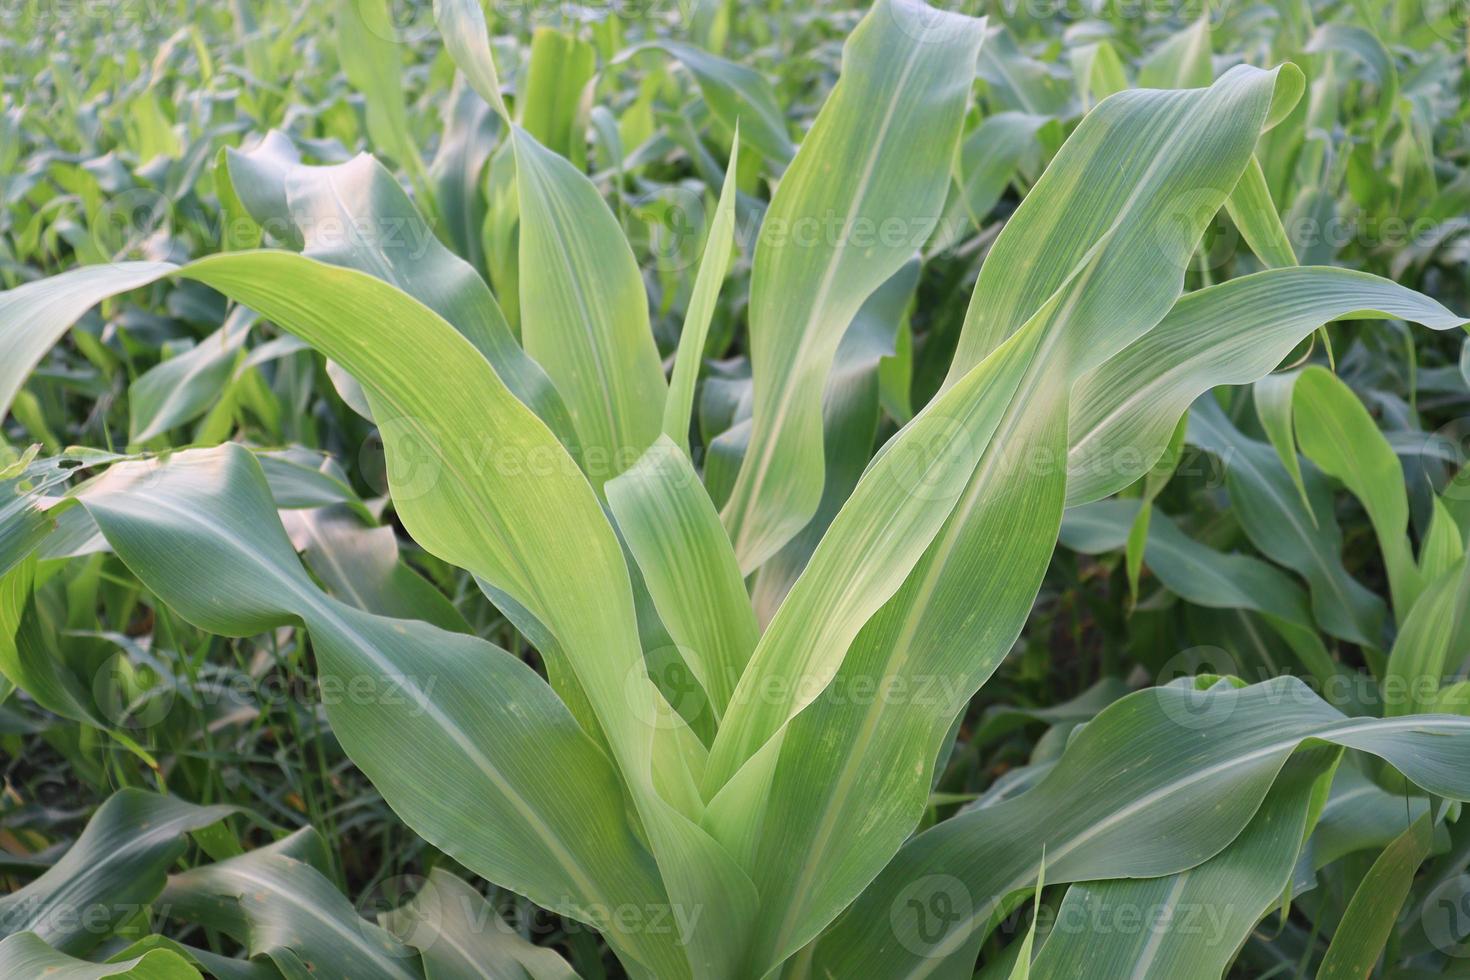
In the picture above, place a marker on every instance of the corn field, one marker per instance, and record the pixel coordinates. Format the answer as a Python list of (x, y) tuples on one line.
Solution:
[(714, 490)]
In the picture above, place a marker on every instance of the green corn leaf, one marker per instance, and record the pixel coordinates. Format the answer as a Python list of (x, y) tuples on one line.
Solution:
[(1257, 219), (1265, 503), (1233, 333), (28, 657), (712, 267), (1454, 698), (285, 910), (1376, 905), (355, 215), (470, 133), (851, 411), (985, 165), (360, 564), (741, 736), (674, 532), (560, 66), (1366, 47), (50, 307), (1205, 577), (1000, 720), (257, 179), (116, 867), (1336, 432), (1022, 969), (737, 95), (435, 468), (1151, 193), (23, 525), (16, 465), (927, 641), (1431, 638), (875, 539), (1018, 82), (893, 120), (26, 520), (452, 697), (183, 388), (461, 937), (211, 964), (1185, 567), (14, 595), (582, 308), (584, 313), (1098, 70), (463, 495), (372, 57), (1273, 397), (1182, 61), (240, 230), (1441, 545), (1189, 924), (1183, 769), (25, 954), (989, 157), (736, 733), (1153, 484), (462, 25), (1359, 815), (302, 479)]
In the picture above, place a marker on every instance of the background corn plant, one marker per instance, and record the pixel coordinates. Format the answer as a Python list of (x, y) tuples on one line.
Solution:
[(619, 489)]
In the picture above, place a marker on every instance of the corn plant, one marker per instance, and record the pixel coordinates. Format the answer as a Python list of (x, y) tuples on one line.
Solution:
[(748, 687)]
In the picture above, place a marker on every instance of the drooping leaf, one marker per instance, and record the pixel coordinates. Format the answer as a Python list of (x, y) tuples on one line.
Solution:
[(737, 95), (25, 954), (453, 698), (1264, 501), (114, 868), (1193, 922), (1185, 769), (183, 388), (461, 937), (285, 910), (1233, 333), (487, 518)]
